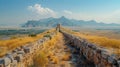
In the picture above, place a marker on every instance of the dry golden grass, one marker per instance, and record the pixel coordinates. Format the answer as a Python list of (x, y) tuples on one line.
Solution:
[(40, 59), (13, 43), (103, 42), (114, 34), (47, 52), (55, 59), (66, 57), (112, 44), (8, 45)]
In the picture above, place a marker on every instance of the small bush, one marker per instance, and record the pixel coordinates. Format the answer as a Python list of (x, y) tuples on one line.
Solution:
[(32, 35)]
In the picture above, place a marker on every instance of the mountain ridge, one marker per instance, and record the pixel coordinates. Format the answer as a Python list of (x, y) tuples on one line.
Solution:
[(52, 22)]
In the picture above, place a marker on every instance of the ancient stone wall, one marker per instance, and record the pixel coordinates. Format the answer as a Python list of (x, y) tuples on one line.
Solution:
[(22, 56), (100, 57)]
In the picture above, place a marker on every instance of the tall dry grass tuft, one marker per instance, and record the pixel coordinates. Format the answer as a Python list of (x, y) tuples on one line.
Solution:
[(40, 59)]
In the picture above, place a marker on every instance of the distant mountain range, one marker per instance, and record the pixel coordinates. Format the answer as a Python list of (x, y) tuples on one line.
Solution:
[(52, 22)]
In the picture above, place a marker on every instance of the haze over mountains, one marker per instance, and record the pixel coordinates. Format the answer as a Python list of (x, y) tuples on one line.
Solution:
[(52, 22)]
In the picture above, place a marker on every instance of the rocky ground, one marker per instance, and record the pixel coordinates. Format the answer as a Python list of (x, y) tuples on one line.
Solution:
[(63, 56), (67, 56)]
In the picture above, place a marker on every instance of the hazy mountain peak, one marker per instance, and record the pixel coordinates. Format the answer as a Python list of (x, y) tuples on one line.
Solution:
[(92, 21), (64, 22), (62, 17)]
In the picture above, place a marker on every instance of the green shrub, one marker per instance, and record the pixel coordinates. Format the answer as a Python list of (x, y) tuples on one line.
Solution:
[(32, 35), (48, 36)]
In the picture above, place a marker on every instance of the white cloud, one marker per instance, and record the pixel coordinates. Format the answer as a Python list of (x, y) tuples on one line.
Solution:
[(67, 12), (42, 12)]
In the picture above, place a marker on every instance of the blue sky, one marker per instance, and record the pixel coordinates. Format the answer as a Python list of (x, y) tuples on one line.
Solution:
[(19, 11)]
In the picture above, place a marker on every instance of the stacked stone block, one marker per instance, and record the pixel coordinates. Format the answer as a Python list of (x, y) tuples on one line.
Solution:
[(98, 55)]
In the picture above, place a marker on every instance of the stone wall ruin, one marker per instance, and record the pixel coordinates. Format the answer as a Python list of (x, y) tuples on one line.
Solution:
[(22, 56), (100, 57)]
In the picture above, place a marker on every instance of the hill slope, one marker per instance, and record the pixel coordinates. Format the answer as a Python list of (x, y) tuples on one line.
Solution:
[(52, 22)]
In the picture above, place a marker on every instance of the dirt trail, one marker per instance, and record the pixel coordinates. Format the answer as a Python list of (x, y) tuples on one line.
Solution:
[(63, 55)]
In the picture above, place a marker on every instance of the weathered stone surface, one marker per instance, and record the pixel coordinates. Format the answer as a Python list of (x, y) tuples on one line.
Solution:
[(21, 52), (104, 55), (96, 59), (14, 54), (18, 49), (1, 62), (93, 53), (14, 63), (90, 54), (118, 63), (9, 55), (19, 57), (27, 50), (14, 50), (98, 50), (111, 60), (7, 61)]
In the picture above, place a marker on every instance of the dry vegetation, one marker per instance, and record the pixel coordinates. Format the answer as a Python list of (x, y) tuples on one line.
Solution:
[(40, 60), (53, 52), (112, 44), (47, 52), (114, 34), (8, 45), (66, 57)]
